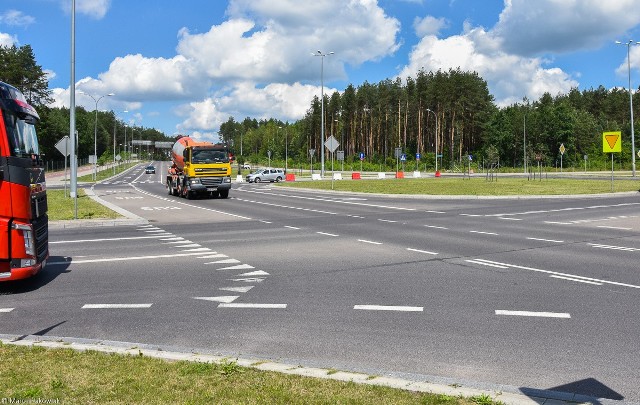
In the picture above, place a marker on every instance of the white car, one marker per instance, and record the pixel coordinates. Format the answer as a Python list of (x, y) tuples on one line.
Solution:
[(271, 175), (246, 166)]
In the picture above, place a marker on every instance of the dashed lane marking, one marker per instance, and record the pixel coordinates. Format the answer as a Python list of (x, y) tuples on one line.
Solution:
[(547, 240), (226, 299), (5, 310), (120, 259), (369, 241), (259, 306), (534, 314), (388, 308), (327, 234), (116, 306)]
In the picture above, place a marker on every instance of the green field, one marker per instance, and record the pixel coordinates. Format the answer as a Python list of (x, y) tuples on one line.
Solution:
[(476, 186), (63, 208)]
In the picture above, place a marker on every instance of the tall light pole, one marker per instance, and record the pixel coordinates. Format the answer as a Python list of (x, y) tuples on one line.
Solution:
[(435, 115), (633, 141), (95, 133), (524, 141), (322, 55)]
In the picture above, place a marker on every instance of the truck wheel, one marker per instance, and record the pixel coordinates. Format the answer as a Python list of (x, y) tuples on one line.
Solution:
[(224, 193)]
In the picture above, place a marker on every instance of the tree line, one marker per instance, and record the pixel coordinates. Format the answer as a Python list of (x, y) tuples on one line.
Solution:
[(450, 114)]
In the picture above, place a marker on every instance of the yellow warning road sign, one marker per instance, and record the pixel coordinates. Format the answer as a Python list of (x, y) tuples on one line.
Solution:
[(611, 142)]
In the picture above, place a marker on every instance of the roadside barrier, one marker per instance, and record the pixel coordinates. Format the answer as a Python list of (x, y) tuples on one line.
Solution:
[(399, 175), (355, 176), (290, 177)]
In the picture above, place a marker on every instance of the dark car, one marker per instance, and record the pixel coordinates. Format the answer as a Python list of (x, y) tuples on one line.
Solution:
[(150, 170)]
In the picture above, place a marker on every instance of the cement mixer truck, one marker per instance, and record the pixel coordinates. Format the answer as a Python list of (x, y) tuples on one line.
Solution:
[(199, 169)]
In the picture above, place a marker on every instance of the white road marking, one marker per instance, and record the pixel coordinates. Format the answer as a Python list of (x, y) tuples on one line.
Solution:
[(558, 223), (547, 240), (369, 241), (188, 246), (388, 308), (435, 227), (421, 251), (484, 233), (511, 219), (627, 249), (486, 264), (470, 215), (560, 274), (115, 306), (254, 273), (575, 279), (327, 234), (291, 227), (5, 310), (224, 261), (249, 280), (387, 220), (108, 239), (236, 289), (535, 314), (436, 212), (259, 306), (226, 299), (615, 227), (202, 249), (121, 259), (238, 267)]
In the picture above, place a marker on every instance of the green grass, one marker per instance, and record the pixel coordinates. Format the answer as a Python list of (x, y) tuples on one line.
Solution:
[(73, 377), (106, 173), (476, 186), (63, 208)]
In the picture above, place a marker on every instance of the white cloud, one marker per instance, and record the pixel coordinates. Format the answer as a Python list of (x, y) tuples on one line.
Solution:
[(93, 8), (509, 77), (7, 39), (429, 25), (16, 18), (262, 67), (533, 27)]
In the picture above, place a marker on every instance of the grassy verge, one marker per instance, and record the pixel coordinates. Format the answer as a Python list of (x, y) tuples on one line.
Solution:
[(476, 186), (72, 377), (63, 208)]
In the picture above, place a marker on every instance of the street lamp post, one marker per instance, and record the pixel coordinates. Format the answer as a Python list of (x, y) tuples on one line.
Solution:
[(95, 133), (322, 55), (435, 115), (633, 142), (524, 141)]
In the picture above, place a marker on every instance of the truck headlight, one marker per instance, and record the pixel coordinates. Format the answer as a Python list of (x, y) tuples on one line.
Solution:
[(27, 235), (195, 181)]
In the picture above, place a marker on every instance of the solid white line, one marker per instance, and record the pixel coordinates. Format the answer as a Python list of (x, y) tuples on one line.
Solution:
[(421, 251), (511, 219), (470, 215), (575, 279), (387, 220), (615, 227), (562, 274), (261, 306), (547, 240), (291, 227), (115, 306), (558, 223), (483, 233), (327, 234), (536, 314), (436, 212), (435, 227), (388, 308), (5, 310), (486, 264), (369, 241), (120, 259)]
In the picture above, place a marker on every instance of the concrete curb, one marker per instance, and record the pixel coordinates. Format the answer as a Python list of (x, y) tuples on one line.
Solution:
[(523, 397)]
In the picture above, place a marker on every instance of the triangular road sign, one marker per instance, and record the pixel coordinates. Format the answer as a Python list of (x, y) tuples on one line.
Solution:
[(611, 142)]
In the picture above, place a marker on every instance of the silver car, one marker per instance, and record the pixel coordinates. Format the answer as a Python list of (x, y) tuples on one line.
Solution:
[(271, 175)]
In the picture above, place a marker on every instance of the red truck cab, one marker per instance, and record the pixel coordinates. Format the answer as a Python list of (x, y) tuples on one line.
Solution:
[(24, 231)]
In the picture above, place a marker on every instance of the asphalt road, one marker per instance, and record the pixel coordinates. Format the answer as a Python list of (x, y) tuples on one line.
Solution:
[(491, 293)]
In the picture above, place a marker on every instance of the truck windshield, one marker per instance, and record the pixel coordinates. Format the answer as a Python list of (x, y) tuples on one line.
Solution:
[(22, 134), (209, 156)]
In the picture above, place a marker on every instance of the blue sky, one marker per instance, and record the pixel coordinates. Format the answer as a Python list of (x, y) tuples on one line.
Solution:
[(187, 66)]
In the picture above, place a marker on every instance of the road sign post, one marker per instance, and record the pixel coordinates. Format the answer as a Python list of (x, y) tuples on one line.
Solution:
[(562, 150), (612, 143), (63, 146)]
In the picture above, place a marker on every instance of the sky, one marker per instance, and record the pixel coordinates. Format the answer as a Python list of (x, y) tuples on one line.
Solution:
[(185, 67)]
